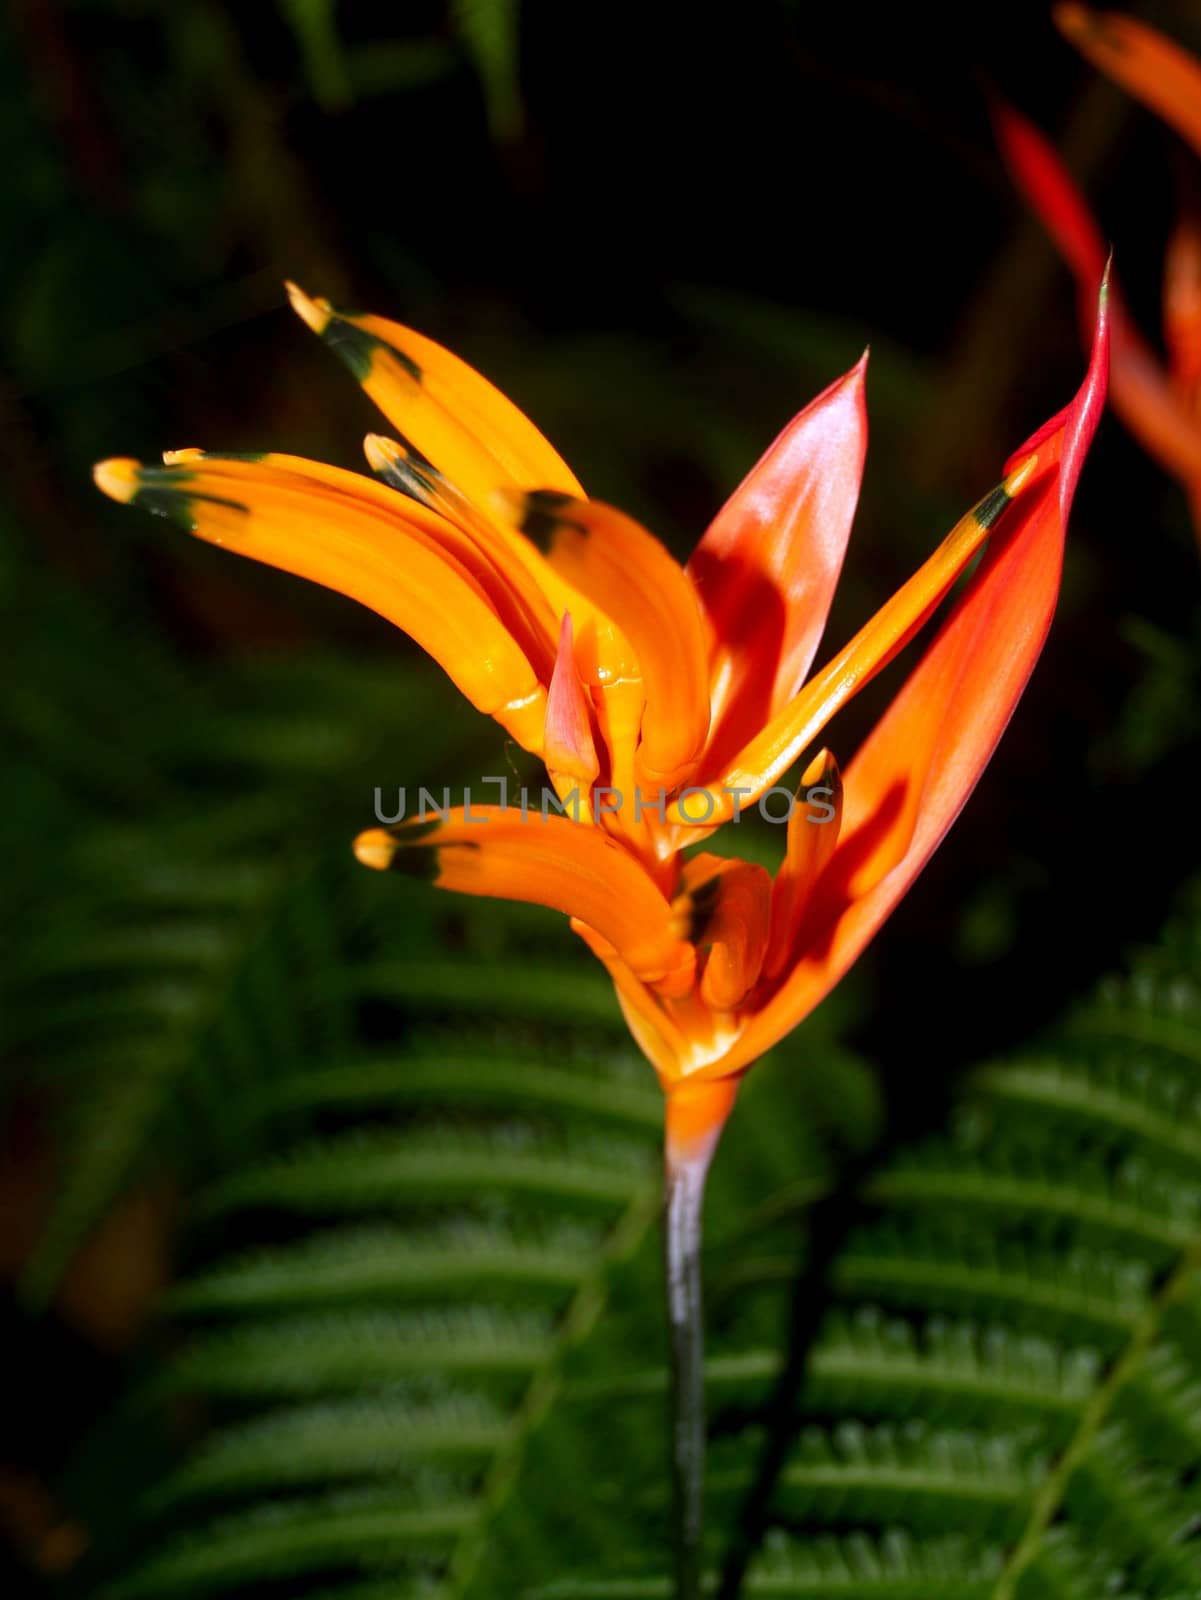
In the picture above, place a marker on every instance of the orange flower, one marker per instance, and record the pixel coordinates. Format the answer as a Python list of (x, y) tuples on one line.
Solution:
[(1160, 402), (662, 699)]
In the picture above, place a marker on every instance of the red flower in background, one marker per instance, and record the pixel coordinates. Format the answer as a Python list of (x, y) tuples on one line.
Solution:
[(1158, 400)]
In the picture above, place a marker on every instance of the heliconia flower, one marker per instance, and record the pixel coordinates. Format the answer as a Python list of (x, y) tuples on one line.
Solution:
[(684, 690), (1158, 400)]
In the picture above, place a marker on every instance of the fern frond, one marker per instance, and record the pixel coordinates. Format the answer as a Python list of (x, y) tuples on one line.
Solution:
[(1062, 1200), (379, 1171), (355, 1531), (367, 1437), (894, 1567), (420, 1282), (550, 994), (343, 1352), (374, 1264), (448, 1074)]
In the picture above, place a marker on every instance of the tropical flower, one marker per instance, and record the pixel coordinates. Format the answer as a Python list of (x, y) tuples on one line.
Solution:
[(1159, 401), (662, 699), (682, 690)]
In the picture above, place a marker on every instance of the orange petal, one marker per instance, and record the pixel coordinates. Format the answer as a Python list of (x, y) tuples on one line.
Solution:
[(1140, 390), (474, 434), (1149, 66), (629, 576), (918, 767), (549, 861), (619, 709), (728, 903), (813, 828), (515, 591), (767, 567), (769, 755), (368, 544), (515, 598), (1182, 304), (656, 1034), (465, 436), (568, 748), (676, 1032)]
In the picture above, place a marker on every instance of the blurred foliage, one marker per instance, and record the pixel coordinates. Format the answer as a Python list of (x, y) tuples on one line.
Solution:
[(343, 1192)]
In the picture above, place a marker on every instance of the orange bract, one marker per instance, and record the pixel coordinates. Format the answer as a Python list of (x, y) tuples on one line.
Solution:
[(1159, 401), (663, 699)]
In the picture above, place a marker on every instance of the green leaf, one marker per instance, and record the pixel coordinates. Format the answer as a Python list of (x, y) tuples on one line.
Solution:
[(489, 31)]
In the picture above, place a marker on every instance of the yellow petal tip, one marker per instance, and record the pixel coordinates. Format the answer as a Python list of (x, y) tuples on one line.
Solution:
[(511, 504), (179, 458), (316, 313), (822, 764), (1020, 476), (117, 478), (375, 849), (381, 452)]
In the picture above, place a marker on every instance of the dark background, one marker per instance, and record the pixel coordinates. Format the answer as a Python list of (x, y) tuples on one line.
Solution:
[(661, 231)]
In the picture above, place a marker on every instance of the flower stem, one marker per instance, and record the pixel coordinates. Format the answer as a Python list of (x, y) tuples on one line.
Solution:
[(694, 1124), (683, 1200)]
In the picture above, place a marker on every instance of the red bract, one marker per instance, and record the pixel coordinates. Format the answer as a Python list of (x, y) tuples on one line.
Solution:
[(1158, 400)]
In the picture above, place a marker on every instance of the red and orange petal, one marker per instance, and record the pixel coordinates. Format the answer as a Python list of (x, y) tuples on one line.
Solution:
[(515, 592), (503, 853), (919, 765), (629, 576), (769, 754), (1140, 390), (727, 903), (767, 567), (813, 828), (569, 748), (1151, 67), (370, 545), (463, 436), (443, 406), (655, 1032), (1182, 308)]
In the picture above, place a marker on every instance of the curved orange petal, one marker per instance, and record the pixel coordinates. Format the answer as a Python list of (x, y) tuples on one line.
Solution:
[(677, 1033), (765, 759), (516, 600), (501, 852), (384, 552), (525, 606), (628, 575), (767, 567), (1182, 304), (1149, 66), (1140, 390), (569, 748), (657, 1035), (919, 765), (728, 904), (466, 439), (813, 828), (474, 434)]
